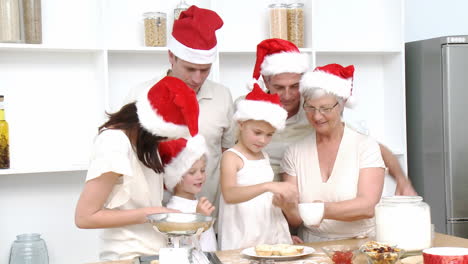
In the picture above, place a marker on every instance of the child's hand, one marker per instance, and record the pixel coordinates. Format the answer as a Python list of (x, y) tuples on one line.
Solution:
[(288, 191), (280, 202), (297, 240), (205, 207)]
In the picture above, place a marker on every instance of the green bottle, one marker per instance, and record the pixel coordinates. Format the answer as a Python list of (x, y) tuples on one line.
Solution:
[(4, 138)]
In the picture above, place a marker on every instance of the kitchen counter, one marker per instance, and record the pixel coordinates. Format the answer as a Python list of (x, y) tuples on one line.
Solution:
[(234, 256)]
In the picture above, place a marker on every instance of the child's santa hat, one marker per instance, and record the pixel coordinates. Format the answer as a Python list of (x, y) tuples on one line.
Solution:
[(178, 156), (275, 56), (259, 105), (193, 36), (332, 78), (169, 109)]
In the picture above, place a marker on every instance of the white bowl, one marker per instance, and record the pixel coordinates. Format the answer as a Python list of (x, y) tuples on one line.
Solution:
[(311, 213)]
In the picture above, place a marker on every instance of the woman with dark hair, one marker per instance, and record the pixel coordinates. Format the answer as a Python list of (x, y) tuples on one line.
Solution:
[(124, 182)]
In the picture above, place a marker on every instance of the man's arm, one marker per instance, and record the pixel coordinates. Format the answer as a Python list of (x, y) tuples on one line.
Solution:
[(404, 186)]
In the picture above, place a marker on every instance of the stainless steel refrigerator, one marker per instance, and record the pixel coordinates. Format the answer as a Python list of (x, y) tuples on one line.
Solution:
[(437, 128)]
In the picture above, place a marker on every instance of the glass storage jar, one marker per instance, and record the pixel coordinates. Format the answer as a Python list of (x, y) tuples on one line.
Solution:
[(10, 23), (278, 21), (182, 6), (32, 21), (29, 249), (296, 24), (404, 221), (155, 29)]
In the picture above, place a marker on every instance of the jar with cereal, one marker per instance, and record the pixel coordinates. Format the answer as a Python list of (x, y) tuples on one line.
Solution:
[(296, 24), (155, 29), (278, 21)]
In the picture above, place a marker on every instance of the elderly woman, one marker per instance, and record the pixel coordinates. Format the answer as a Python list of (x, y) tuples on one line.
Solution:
[(335, 165)]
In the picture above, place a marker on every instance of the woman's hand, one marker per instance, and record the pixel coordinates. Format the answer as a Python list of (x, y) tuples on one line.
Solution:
[(205, 207), (297, 240)]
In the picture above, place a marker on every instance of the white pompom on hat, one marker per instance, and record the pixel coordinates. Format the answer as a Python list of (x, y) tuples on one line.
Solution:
[(178, 156), (332, 78), (169, 109), (275, 56), (193, 37), (259, 105)]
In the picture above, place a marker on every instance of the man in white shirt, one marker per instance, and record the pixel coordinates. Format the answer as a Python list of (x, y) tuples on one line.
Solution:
[(281, 65), (192, 50)]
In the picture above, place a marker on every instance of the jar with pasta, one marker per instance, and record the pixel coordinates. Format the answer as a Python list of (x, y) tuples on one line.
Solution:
[(10, 24), (155, 29), (278, 21), (182, 6), (296, 24)]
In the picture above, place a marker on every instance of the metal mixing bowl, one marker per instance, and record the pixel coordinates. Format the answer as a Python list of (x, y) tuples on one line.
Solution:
[(180, 223)]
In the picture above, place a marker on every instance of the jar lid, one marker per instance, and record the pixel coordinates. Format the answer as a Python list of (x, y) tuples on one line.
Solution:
[(154, 14), (296, 5), (402, 199), (278, 5)]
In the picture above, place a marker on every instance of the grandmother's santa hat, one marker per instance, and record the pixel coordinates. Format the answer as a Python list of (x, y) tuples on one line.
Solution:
[(193, 37), (178, 156), (169, 109), (275, 56), (259, 105), (332, 78)]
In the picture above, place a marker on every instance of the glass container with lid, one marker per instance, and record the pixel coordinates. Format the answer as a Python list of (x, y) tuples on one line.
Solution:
[(155, 29), (296, 24), (182, 6), (278, 21), (29, 248), (10, 21), (404, 221)]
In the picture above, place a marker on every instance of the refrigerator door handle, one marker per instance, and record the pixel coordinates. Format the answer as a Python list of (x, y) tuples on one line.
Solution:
[(458, 220)]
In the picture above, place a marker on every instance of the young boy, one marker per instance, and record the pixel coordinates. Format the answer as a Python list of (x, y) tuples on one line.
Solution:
[(184, 174)]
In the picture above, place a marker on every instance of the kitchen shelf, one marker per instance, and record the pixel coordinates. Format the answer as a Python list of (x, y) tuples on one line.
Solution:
[(56, 93)]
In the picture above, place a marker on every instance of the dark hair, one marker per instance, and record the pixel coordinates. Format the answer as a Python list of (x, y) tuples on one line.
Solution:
[(146, 144)]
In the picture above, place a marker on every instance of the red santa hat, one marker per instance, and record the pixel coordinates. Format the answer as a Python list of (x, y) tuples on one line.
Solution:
[(178, 156), (259, 105), (169, 109), (332, 78), (275, 56), (193, 36)]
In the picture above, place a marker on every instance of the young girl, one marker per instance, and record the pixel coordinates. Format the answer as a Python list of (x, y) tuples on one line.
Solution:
[(123, 183), (184, 174), (247, 215)]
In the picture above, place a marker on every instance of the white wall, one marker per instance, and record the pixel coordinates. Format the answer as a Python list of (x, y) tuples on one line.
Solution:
[(44, 203), (435, 18)]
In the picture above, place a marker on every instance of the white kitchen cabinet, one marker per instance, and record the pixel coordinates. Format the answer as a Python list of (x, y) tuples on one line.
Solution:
[(92, 54)]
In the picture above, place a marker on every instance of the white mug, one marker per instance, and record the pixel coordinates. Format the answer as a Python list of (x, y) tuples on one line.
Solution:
[(311, 213)]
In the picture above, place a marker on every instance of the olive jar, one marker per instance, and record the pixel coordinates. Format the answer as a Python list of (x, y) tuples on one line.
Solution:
[(155, 29), (404, 221)]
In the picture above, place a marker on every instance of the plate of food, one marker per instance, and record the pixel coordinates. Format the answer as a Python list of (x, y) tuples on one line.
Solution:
[(277, 251)]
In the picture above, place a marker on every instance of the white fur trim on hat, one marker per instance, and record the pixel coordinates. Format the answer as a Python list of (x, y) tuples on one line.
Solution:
[(180, 165), (155, 124), (261, 110), (283, 62), (185, 53), (329, 82)]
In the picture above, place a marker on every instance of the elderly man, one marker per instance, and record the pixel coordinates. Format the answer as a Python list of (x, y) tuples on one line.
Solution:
[(192, 50), (281, 65)]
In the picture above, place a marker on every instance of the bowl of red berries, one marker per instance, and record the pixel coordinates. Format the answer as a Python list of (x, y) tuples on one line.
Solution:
[(341, 254)]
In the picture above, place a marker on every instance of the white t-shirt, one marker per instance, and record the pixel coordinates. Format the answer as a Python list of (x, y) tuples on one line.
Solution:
[(139, 187), (356, 151), (207, 238)]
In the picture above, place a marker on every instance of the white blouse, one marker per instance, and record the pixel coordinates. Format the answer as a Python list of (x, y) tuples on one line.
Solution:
[(139, 187), (356, 151)]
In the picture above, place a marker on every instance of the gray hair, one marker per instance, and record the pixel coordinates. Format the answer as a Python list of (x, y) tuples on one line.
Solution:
[(314, 93)]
